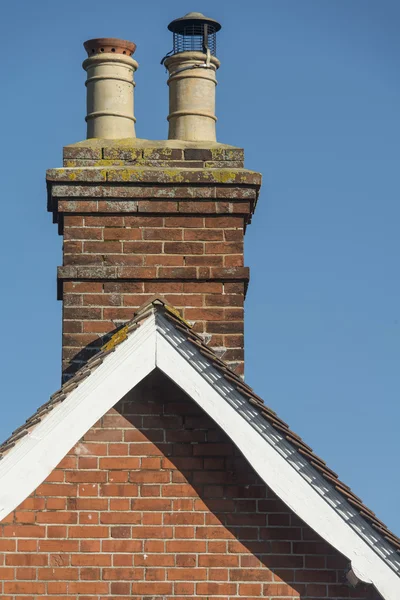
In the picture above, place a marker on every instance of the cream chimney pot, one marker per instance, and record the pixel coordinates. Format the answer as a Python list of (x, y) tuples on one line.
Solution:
[(192, 78), (110, 69), (192, 96)]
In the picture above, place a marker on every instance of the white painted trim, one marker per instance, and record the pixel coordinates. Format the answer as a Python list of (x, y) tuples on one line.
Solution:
[(34, 457), (206, 385)]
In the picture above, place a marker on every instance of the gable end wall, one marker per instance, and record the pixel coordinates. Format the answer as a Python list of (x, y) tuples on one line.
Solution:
[(156, 502)]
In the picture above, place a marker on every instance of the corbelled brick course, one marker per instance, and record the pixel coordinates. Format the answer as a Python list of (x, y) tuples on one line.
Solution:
[(155, 501), (134, 227)]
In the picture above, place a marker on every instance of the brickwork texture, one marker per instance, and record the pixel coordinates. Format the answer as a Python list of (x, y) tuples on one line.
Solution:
[(175, 226)]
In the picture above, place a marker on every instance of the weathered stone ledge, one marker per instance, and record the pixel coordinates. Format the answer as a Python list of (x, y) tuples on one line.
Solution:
[(143, 150), (154, 175), (172, 164), (157, 192)]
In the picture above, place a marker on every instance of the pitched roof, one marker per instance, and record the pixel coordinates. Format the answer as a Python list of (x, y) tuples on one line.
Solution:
[(173, 315), (160, 309), (278, 424)]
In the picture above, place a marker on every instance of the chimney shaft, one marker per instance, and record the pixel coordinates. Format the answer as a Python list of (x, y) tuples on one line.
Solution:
[(192, 83), (110, 84)]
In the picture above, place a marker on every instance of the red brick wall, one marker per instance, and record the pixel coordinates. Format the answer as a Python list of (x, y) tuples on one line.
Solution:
[(162, 246), (155, 502)]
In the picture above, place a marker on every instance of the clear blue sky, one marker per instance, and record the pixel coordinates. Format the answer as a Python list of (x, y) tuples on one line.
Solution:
[(311, 90)]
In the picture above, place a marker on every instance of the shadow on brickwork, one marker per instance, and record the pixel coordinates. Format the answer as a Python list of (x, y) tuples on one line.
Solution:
[(275, 548), (87, 352)]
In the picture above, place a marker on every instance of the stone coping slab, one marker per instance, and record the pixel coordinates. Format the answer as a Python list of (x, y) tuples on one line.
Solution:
[(154, 175), (135, 149)]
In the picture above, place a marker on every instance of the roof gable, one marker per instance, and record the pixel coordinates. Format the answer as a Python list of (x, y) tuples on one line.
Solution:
[(158, 338)]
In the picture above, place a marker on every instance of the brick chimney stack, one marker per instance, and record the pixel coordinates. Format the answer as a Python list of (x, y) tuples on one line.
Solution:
[(140, 218)]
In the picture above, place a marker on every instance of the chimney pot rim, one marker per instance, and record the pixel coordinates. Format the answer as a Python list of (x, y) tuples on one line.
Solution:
[(109, 45)]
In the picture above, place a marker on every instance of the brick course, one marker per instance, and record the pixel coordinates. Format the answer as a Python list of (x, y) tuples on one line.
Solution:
[(155, 501)]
